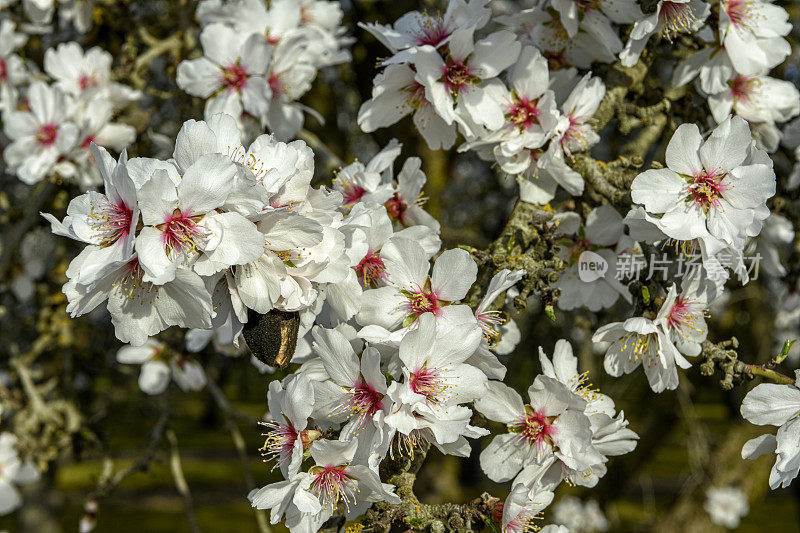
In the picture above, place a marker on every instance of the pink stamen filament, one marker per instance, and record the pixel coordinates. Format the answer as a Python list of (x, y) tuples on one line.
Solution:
[(433, 31), (234, 77), (279, 443), (86, 81), (706, 189), (576, 138), (422, 301), (534, 429), (457, 76), (743, 87), (429, 383), (112, 221), (180, 232), (737, 11), (676, 18), (332, 483), (371, 271), (523, 113), (47, 135)]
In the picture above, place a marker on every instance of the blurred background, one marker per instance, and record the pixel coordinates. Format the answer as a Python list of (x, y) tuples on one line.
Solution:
[(690, 439)]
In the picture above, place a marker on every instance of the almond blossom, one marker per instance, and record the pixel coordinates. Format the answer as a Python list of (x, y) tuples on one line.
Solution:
[(726, 506), (140, 309), (13, 471), (86, 74), (670, 18), (411, 293), (708, 191), (356, 390), (107, 221), (182, 224), (522, 509), (12, 67), (756, 99), (309, 498), (752, 32), (39, 136), (552, 425), (158, 365), (288, 436), (775, 405), (396, 93), (638, 342), (462, 87), (231, 74)]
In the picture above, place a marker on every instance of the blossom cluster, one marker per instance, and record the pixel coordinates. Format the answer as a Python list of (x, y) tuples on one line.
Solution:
[(260, 59), (400, 344), (451, 80), (40, 14), (712, 197), (199, 240), (391, 356), (52, 121), (411, 386)]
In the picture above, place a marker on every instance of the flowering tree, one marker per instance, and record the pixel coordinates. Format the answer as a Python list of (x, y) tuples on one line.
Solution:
[(629, 171)]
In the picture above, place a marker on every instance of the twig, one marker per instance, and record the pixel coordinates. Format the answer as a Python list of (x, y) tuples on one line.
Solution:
[(108, 483), (227, 408), (180, 480), (723, 356), (240, 446)]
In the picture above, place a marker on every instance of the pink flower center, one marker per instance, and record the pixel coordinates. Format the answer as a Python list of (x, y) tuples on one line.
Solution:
[(180, 231), (235, 77), (111, 220), (523, 113), (371, 271), (576, 138), (366, 401), (87, 142), (86, 81), (432, 31), (678, 313), (47, 134), (429, 383), (275, 84), (676, 18), (737, 10), (743, 87), (534, 428), (279, 443), (706, 189), (420, 302), (416, 95), (331, 483), (686, 317), (3, 70), (457, 76), (352, 193)]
